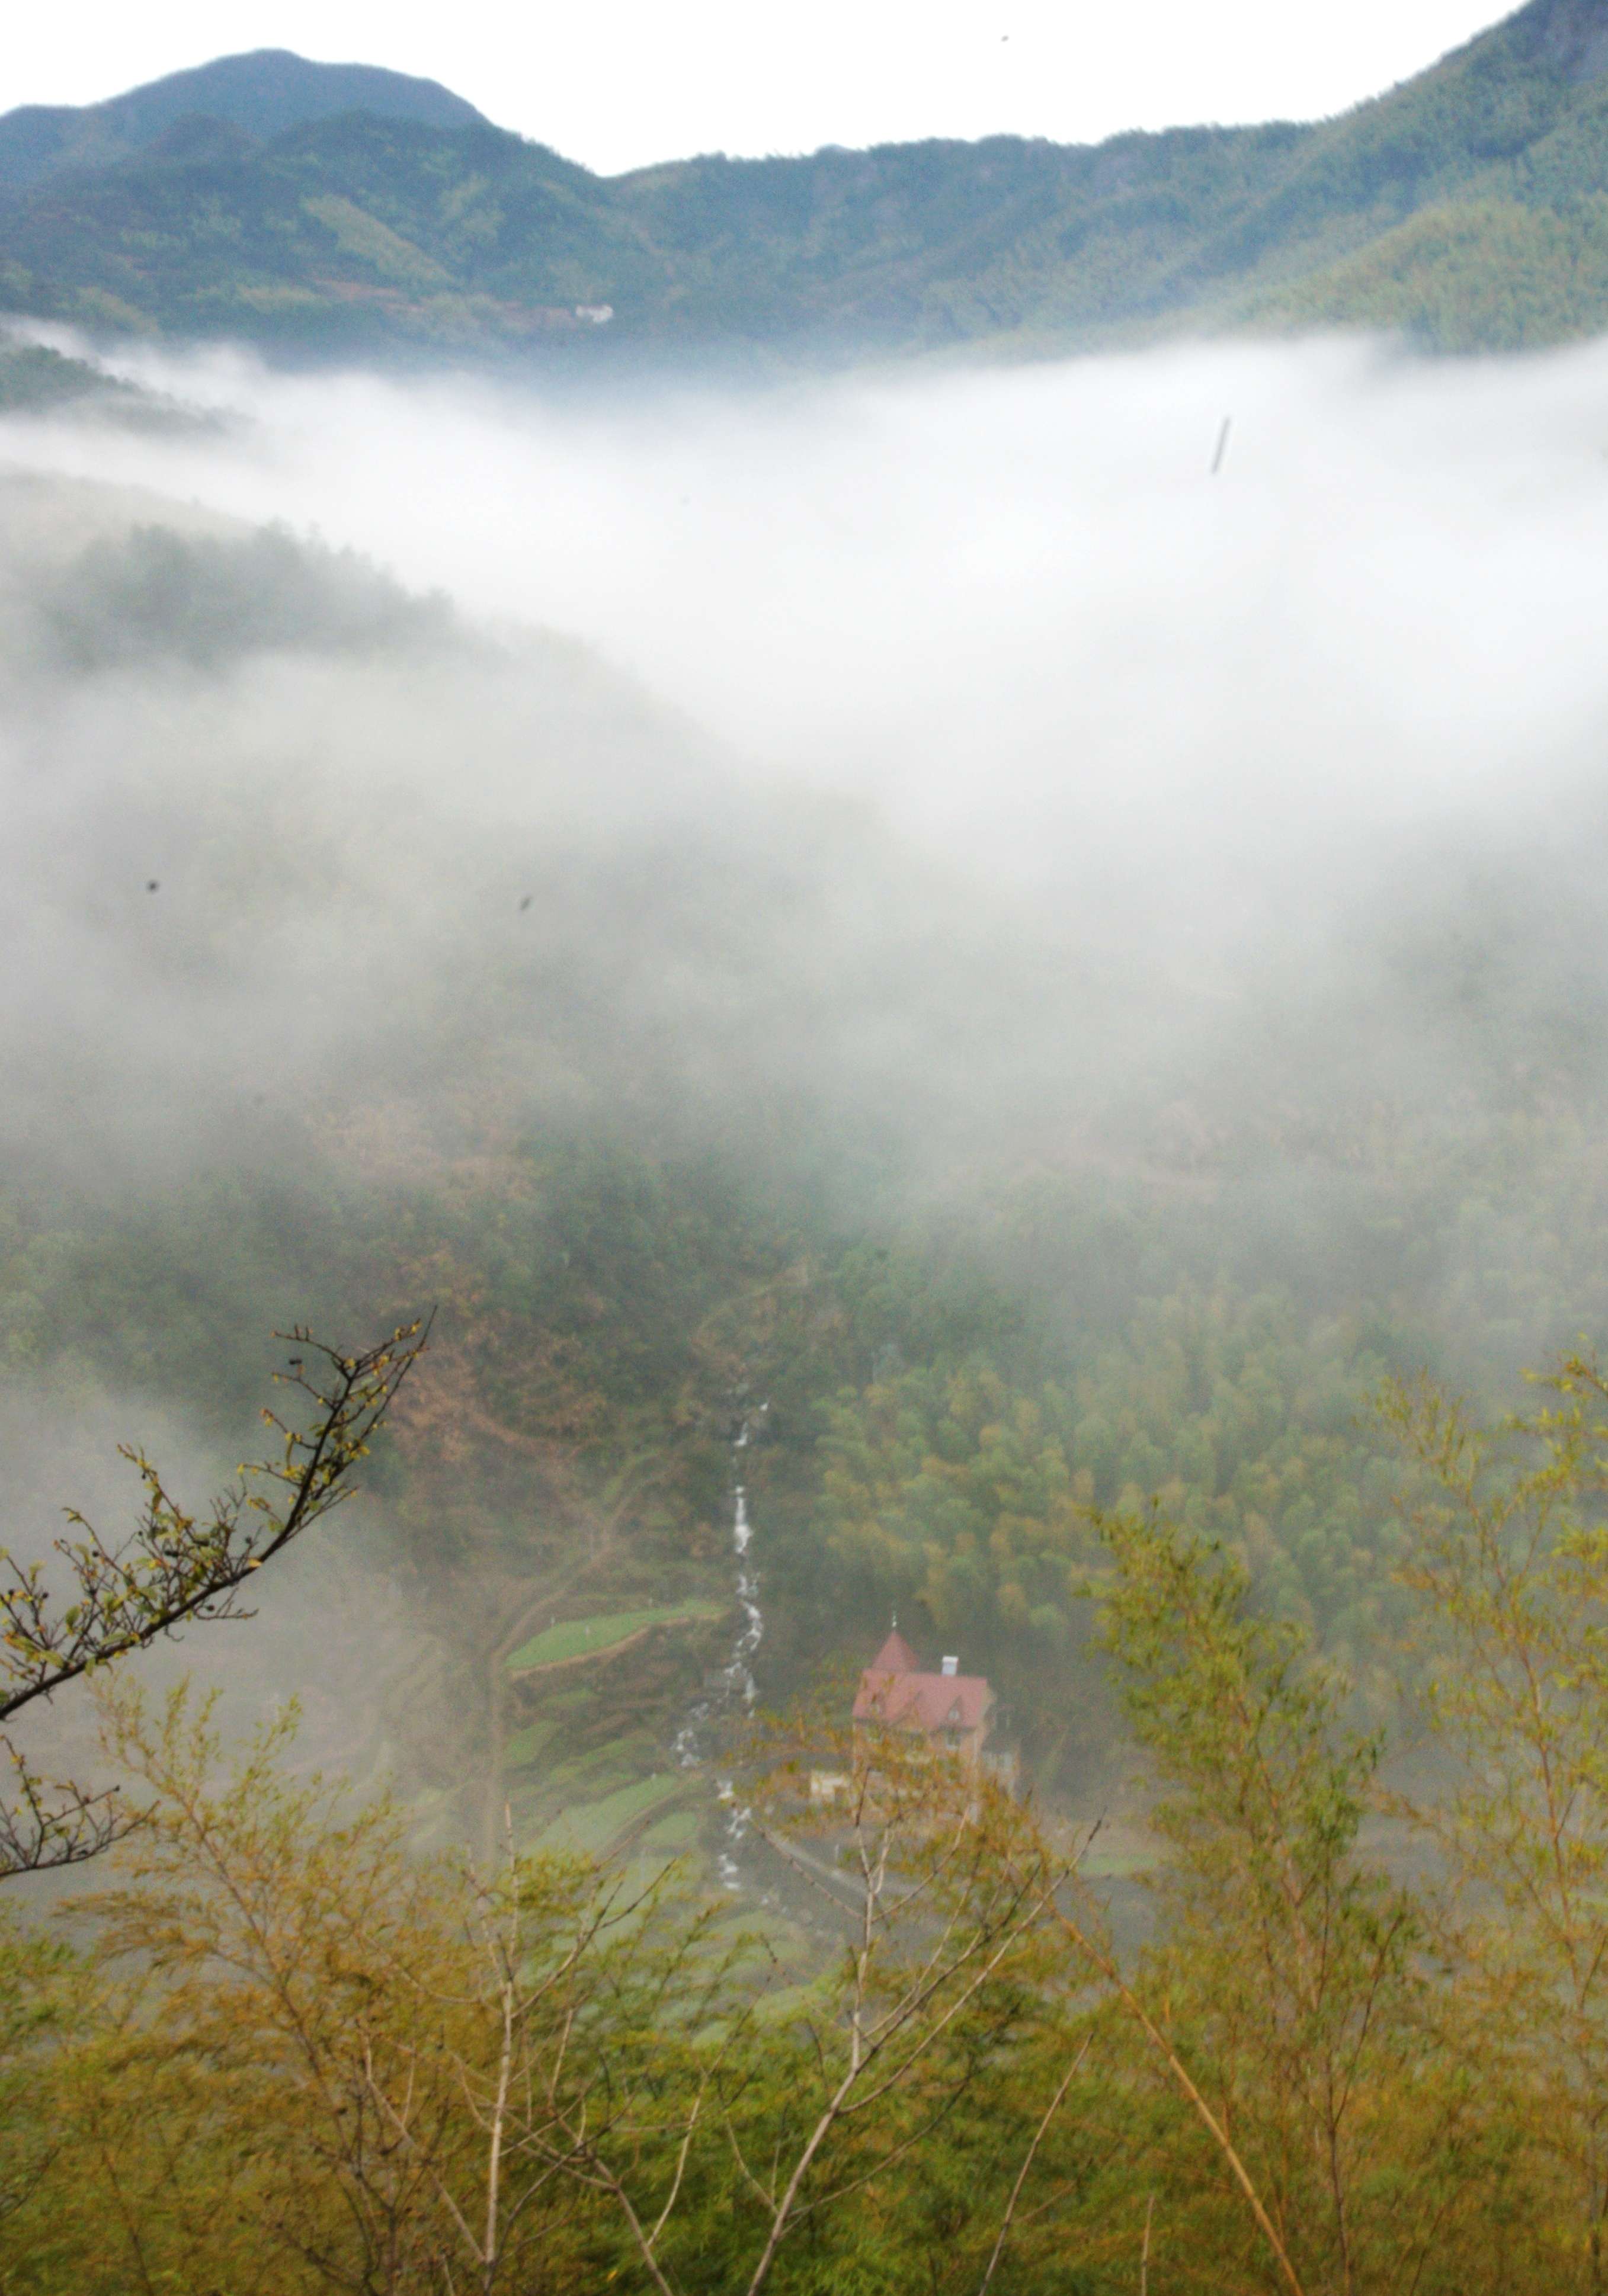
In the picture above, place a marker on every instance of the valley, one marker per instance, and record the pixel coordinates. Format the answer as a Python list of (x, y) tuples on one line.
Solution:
[(907, 845)]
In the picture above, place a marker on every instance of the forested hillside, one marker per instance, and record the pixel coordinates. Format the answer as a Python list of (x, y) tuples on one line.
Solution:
[(264, 93), (1045, 1175), (1465, 207), (658, 1157)]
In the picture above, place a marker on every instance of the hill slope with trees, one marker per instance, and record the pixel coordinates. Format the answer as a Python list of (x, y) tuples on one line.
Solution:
[(1468, 206), (264, 94)]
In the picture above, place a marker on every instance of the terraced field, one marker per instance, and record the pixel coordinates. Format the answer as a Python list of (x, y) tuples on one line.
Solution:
[(597, 1828), (594, 1707), (570, 1639)]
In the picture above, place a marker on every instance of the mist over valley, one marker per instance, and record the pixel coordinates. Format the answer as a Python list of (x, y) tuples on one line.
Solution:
[(940, 824), (972, 999)]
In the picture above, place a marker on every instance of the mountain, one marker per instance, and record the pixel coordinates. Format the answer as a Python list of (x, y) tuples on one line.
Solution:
[(263, 93), (1467, 207)]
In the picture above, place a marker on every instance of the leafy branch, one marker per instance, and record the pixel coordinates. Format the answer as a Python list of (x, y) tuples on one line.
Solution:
[(174, 1566)]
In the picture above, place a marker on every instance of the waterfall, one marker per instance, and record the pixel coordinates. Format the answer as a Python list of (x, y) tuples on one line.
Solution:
[(734, 1685)]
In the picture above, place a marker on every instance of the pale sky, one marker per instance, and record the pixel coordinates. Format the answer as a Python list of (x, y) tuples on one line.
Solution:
[(619, 83)]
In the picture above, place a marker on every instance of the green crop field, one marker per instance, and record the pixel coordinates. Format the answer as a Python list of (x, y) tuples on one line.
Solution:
[(592, 1827), (526, 1745), (573, 1638), (677, 1832)]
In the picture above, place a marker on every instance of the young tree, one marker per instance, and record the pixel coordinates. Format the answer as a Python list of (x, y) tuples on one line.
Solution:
[(911, 2093), (173, 1568), (1511, 1557), (220, 2126), (334, 2066), (1282, 2000)]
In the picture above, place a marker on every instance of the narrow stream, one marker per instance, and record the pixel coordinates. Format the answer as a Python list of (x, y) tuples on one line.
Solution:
[(734, 1687)]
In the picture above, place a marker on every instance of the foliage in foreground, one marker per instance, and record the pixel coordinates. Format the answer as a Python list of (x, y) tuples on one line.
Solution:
[(101, 1602), (287, 2056)]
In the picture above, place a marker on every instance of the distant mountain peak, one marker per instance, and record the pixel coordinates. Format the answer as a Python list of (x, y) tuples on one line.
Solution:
[(335, 209), (260, 93)]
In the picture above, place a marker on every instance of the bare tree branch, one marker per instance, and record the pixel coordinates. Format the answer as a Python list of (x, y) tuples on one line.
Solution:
[(174, 1568), (58, 1824)]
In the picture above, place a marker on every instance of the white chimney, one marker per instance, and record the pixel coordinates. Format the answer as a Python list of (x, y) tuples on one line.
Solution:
[(951, 1666)]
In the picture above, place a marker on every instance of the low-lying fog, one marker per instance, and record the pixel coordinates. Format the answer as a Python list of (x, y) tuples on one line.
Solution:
[(894, 780), (1018, 600), (1190, 722)]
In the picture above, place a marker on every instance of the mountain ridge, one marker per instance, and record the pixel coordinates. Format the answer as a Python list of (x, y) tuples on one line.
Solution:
[(1466, 207), (263, 92)]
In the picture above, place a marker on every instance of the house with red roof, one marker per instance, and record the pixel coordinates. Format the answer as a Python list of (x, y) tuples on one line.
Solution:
[(958, 1714)]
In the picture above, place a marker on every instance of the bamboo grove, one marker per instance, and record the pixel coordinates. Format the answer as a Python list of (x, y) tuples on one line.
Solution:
[(1359, 2041)]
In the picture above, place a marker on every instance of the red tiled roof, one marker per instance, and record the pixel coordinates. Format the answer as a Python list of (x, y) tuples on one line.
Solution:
[(896, 1657), (921, 1701)]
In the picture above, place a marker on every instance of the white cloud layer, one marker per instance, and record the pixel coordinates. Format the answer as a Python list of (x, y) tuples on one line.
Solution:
[(1015, 608)]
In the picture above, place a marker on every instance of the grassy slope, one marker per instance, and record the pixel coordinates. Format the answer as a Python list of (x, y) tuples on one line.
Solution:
[(589, 1768), (591, 1638), (595, 1829), (1463, 204)]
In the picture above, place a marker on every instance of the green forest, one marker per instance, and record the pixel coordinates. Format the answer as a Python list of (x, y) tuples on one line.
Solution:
[(1463, 208), (283, 2049), (529, 1238)]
